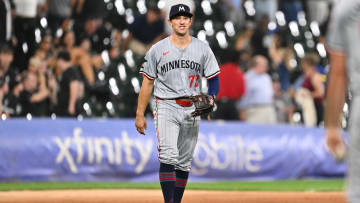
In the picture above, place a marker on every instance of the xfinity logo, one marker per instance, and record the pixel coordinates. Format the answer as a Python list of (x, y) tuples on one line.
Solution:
[(181, 8)]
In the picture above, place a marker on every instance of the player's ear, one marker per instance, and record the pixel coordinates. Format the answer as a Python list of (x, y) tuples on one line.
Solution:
[(169, 22)]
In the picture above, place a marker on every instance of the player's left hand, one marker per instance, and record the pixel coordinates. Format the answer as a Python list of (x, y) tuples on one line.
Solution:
[(335, 143), (211, 100), (140, 124), (204, 105)]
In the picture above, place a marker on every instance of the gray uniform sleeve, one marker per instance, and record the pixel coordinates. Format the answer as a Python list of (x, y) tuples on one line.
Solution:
[(211, 67), (344, 12), (149, 67)]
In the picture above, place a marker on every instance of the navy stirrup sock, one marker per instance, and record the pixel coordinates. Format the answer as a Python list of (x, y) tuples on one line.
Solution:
[(167, 178), (181, 180)]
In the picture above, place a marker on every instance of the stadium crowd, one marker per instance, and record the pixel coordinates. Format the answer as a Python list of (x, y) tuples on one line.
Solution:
[(80, 58)]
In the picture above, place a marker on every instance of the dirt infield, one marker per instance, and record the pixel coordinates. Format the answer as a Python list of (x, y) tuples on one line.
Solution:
[(152, 196)]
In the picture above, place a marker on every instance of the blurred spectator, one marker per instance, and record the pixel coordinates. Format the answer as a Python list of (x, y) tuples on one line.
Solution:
[(71, 87), (50, 82), (234, 11), (46, 50), (94, 32), (283, 103), (79, 56), (46, 47), (113, 16), (243, 39), (6, 58), (257, 105), (5, 21), (245, 59), (290, 8), (232, 87), (25, 24), (59, 11), (145, 31), (280, 56), (9, 78), (86, 9), (266, 8), (307, 108), (4, 89), (36, 94), (314, 84), (259, 43), (34, 65), (8, 73), (33, 95)]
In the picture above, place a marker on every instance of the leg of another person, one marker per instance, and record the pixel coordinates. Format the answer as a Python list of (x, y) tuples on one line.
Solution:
[(353, 178)]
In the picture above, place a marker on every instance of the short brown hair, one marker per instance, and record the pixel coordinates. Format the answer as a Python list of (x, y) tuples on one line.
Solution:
[(312, 59)]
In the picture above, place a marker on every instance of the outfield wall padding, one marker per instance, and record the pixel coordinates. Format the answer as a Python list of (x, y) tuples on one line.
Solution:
[(112, 150)]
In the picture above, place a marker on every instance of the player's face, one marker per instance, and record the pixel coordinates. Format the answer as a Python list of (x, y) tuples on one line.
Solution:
[(180, 25)]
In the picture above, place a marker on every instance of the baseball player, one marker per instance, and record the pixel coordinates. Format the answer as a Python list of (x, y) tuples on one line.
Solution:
[(174, 68), (344, 49)]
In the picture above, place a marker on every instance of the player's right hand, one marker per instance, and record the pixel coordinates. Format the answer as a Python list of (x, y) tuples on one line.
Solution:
[(335, 143), (140, 124)]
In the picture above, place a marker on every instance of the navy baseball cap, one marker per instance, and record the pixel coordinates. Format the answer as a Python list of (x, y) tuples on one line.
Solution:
[(179, 10)]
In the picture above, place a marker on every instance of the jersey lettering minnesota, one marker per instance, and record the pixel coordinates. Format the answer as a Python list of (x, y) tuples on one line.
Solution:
[(180, 64), (178, 72)]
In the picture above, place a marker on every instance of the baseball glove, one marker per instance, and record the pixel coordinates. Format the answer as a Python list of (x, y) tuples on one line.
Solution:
[(202, 105)]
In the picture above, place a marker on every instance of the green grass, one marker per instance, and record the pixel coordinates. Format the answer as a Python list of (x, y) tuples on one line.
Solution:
[(282, 186)]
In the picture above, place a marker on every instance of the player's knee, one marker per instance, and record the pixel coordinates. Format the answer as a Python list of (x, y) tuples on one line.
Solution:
[(168, 161), (185, 168), (168, 156)]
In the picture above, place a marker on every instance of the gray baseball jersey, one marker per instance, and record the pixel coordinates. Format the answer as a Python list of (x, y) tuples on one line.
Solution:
[(178, 72), (344, 36)]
